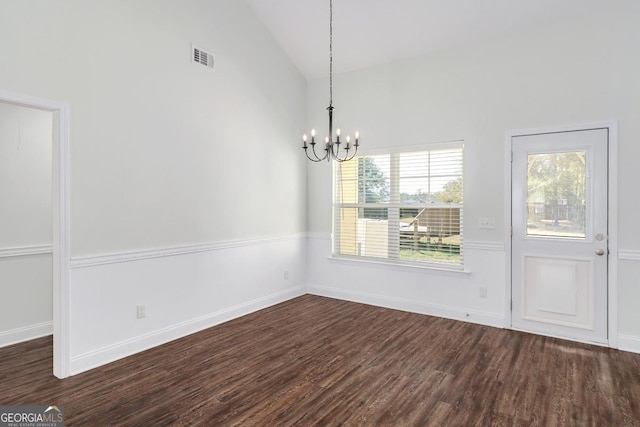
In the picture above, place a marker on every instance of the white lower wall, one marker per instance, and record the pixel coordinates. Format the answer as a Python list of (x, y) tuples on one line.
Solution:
[(449, 294), (188, 289), (184, 290), (443, 293), (628, 297), (25, 294)]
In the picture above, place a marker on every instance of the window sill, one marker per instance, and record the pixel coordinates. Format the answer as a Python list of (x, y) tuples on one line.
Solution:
[(375, 263)]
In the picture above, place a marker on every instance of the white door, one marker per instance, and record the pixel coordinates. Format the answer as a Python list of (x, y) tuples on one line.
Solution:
[(559, 240)]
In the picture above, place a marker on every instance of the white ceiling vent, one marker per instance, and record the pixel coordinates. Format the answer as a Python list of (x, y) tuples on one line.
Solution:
[(201, 56)]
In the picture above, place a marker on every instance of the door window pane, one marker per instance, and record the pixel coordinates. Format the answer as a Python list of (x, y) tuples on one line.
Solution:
[(556, 194)]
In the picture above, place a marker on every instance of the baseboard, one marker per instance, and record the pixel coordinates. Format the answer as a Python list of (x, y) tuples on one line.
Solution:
[(629, 343), (26, 333), (472, 316), (93, 359)]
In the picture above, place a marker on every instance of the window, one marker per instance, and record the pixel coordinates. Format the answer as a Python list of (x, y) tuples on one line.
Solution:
[(405, 207)]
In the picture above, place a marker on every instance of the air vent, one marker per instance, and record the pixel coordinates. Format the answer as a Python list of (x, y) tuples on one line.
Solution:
[(201, 56)]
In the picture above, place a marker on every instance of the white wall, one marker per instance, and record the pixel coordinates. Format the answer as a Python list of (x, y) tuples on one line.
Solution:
[(183, 289), (436, 292), (575, 72), (154, 137), (165, 154), (25, 223)]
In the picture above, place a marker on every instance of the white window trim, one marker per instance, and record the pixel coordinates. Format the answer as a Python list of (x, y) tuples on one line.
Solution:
[(455, 269), (439, 269)]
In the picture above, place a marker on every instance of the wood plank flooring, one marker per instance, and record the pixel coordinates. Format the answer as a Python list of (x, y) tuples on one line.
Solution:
[(317, 361)]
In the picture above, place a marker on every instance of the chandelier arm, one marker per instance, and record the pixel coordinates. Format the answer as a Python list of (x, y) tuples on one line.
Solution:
[(347, 157), (316, 160), (336, 153), (319, 159)]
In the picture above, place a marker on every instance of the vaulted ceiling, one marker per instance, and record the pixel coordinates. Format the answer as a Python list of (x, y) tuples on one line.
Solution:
[(370, 32)]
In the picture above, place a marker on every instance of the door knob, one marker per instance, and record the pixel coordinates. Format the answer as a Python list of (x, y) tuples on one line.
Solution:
[(599, 252)]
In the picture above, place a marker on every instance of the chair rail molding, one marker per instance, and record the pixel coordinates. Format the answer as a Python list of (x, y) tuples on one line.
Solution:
[(127, 256), (25, 251)]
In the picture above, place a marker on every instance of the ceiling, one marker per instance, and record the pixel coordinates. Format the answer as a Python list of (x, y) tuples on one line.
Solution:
[(371, 32)]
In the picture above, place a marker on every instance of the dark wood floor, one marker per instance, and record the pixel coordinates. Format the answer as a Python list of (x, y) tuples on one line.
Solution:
[(317, 361)]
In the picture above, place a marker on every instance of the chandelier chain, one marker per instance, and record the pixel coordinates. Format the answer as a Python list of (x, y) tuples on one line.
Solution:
[(330, 52)]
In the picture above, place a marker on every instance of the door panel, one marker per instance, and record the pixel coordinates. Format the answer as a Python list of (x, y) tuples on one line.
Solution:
[(558, 291), (559, 244)]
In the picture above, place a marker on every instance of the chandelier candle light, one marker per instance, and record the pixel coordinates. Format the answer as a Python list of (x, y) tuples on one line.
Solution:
[(331, 147)]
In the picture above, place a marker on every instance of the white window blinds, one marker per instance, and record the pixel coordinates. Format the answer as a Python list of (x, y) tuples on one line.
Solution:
[(405, 206)]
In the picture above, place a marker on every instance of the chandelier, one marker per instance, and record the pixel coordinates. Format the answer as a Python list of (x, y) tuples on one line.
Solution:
[(331, 146)]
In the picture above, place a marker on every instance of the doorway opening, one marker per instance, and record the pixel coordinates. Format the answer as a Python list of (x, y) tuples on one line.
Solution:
[(60, 220)]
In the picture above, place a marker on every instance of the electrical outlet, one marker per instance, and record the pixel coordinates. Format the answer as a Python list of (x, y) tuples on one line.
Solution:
[(141, 311), (286, 275), (483, 292), (487, 223)]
